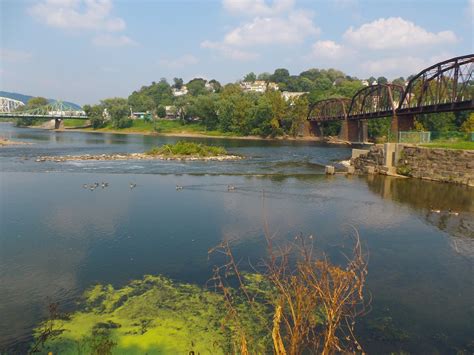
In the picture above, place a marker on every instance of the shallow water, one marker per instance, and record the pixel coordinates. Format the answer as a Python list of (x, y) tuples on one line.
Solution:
[(58, 238)]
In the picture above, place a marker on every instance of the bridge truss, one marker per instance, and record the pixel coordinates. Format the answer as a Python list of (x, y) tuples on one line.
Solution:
[(445, 86), (56, 110)]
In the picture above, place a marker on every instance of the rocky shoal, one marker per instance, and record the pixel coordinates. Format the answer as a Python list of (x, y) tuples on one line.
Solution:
[(135, 156)]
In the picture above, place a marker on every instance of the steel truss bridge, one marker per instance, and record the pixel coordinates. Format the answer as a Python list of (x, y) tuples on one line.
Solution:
[(57, 110), (447, 86)]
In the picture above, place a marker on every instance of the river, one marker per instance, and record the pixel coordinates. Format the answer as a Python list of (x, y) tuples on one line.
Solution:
[(57, 238)]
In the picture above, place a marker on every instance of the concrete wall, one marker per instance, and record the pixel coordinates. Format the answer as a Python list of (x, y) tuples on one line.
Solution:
[(446, 165)]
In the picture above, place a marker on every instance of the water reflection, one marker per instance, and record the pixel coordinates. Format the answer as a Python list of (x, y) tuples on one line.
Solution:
[(57, 238), (448, 207)]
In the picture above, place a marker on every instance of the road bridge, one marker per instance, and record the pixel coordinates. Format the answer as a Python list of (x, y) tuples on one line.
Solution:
[(56, 111)]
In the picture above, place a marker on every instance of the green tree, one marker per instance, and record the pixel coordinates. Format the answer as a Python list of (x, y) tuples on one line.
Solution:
[(399, 81), (96, 115), (251, 77), (281, 75), (161, 111), (178, 83), (382, 80), (36, 102), (264, 76), (197, 86), (216, 86), (468, 125), (119, 112), (140, 102), (438, 122), (205, 107)]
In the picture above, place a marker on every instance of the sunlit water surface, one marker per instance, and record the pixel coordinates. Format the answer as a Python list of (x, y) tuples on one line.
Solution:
[(57, 238)]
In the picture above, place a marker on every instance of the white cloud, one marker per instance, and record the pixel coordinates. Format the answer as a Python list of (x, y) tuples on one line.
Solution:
[(108, 40), (289, 29), (180, 62), (273, 30), (229, 52), (10, 55), (401, 65), (258, 7), (77, 15), (395, 33), (328, 50)]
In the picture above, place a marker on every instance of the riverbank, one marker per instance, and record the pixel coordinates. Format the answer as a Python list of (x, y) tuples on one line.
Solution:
[(167, 128)]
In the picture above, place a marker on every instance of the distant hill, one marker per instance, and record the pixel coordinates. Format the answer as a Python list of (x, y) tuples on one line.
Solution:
[(25, 98)]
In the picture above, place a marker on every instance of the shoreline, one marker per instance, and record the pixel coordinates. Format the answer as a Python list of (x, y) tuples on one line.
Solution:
[(183, 134)]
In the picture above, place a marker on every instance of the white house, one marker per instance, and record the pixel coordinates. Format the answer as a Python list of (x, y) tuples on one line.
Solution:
[(180, 92)]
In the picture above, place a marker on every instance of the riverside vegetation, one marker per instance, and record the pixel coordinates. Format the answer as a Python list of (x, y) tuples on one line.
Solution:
[(283, 307), (226, 110)]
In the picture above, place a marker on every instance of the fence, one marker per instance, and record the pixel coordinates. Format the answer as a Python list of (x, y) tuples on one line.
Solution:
[(416, 137)]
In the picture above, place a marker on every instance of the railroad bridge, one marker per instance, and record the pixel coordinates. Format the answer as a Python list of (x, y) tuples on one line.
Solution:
[(447, 86)]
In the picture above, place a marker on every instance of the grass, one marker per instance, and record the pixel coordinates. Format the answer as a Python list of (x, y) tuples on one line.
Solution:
[(73, 122), (182, 148), (450, 145), (166, 126)]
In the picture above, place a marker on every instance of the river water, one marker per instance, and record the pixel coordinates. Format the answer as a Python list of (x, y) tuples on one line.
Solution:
[(57, 238)]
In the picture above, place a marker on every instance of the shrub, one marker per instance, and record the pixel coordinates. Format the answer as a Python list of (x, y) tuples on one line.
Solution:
[(187, 148)]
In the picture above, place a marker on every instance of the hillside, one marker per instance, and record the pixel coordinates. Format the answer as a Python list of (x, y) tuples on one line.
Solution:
[(25, 98)]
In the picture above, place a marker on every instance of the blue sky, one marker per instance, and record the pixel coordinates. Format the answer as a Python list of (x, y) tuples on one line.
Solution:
[(86, 50)]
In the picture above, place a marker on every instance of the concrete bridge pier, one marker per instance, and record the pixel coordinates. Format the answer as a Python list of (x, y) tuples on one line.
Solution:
[(58, 123), (354, 131), (402, 123)]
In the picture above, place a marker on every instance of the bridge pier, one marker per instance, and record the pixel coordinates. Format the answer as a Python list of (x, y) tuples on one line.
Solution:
[(402, 123), (315, 129), (354, 131), (57, 123)]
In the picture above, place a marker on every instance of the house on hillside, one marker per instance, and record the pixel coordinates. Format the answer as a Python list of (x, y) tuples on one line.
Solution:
[(180, 92), (289, 95), (258, 86)]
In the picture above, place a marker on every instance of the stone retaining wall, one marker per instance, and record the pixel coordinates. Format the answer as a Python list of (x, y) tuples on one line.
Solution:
[(372, 161), (446, 165)]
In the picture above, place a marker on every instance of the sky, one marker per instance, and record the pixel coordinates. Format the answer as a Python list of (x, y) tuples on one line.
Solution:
[(87, 50)]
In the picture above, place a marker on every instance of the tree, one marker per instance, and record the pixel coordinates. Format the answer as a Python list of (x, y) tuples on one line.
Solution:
[(468, 125), (205, 107), (178, 83), (250, 77), (140, 102), (297, 115), (36, 102), (438, 122), (382, 80), (216, 86), (119, 112), (280, 75), (197, 86), (399, 81), (264, 76), (161, 111), (96, 115)]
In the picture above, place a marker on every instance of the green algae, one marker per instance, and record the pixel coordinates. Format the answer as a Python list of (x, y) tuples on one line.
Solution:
[(153, 315), (157, 316)]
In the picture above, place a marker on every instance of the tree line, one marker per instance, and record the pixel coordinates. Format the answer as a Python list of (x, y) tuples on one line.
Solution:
[(228, 108)]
